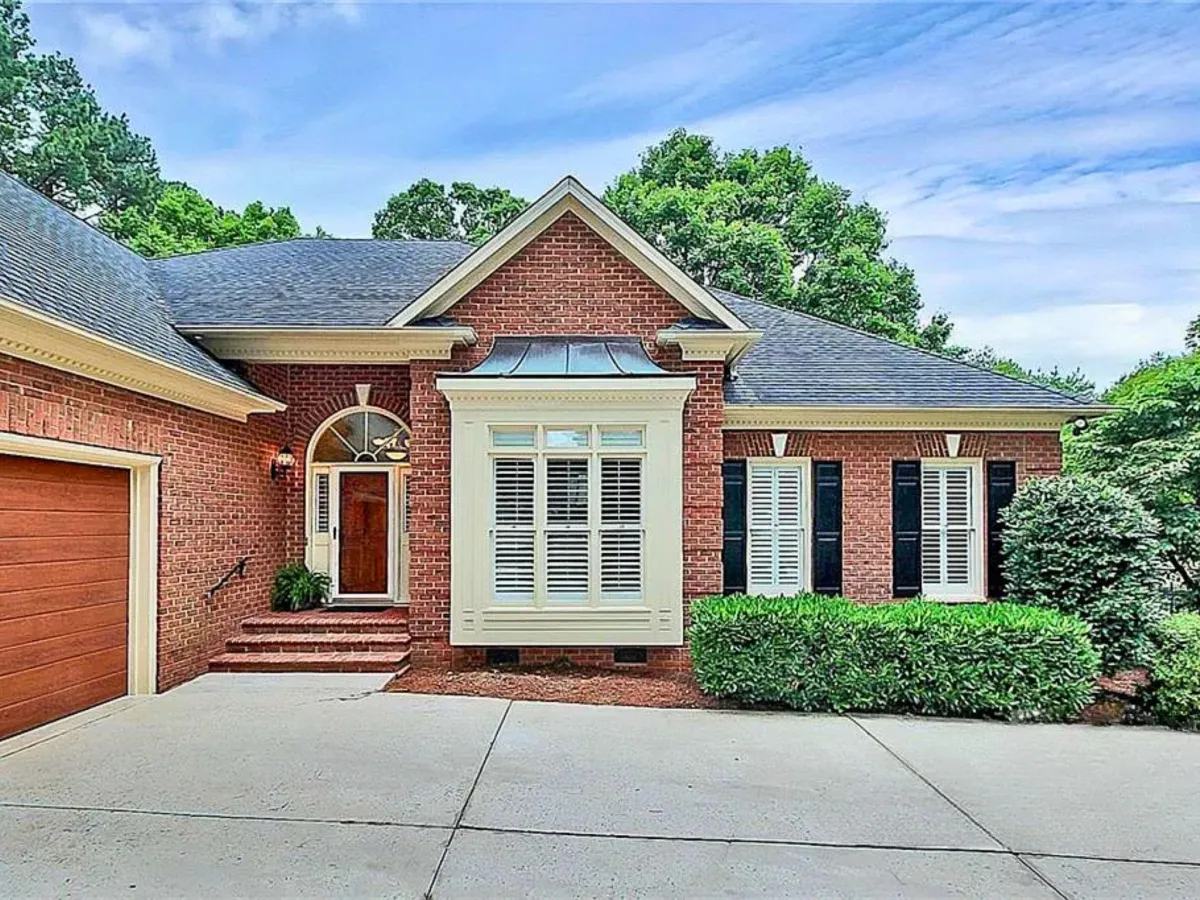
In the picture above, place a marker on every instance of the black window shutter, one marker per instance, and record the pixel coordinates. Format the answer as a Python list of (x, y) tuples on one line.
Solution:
[(733, 553), (1001, 485), (906, 528), (827, 527)]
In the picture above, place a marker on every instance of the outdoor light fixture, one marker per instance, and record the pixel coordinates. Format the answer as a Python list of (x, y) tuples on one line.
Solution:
[(1079, 426), (283, 462)]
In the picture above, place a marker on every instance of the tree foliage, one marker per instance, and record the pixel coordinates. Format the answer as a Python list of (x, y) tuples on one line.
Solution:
[(1150, 446), (1075, 383), (764, 224), (181, 220), (426, 211), (55, 136), (1086, 547)]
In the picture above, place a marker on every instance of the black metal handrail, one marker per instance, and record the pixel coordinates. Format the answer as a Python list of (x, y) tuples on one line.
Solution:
[(238, 569)]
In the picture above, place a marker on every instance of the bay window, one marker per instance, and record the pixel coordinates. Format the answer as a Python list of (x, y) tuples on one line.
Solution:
[(567, 523)]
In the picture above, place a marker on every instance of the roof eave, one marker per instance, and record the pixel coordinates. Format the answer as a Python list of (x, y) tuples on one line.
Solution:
[(325, 345), (37, 337), (907, 418)]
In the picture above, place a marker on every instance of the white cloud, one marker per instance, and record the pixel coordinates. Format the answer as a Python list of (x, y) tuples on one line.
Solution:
[(114, 40)]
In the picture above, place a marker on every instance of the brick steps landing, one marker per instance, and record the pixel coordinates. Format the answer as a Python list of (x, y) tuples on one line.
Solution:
[(318, 641)]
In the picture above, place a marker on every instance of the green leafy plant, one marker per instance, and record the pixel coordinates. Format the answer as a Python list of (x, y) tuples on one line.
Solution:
[(297, 587), (1086, 547), (1174, 691), (820, 654)]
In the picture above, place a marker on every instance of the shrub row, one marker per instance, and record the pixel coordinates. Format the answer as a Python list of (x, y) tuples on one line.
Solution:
[(819, 654), (1175, 674)]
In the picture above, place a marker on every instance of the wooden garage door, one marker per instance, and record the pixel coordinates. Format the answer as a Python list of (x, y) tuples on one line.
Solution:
[(64, 587)]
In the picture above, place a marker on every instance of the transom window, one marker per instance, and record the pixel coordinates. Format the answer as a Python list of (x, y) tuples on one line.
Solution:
[(362, 436), (567, 518)]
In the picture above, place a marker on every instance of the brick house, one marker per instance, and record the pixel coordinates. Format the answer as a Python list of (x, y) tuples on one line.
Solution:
[(549, 444)]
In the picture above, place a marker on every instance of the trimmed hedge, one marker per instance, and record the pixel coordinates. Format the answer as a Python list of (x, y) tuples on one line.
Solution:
[(1174, 692), (815, 653)]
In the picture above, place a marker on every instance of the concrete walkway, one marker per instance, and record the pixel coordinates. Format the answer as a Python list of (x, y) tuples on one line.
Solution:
[(302, 785)]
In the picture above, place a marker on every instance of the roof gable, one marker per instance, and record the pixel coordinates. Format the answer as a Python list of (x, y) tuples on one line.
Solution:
[(568, 196)]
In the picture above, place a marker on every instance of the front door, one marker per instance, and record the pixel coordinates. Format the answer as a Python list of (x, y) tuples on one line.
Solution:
[(362, 534)]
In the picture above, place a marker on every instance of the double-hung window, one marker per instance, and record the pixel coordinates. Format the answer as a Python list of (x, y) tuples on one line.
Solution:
[(951, 545), (777, 540), (567, 514)]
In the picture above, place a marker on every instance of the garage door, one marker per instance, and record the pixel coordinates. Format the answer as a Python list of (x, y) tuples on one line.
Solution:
[(64, 589)]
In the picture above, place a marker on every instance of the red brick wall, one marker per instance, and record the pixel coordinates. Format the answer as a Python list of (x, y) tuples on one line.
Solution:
[(867, 483), (313, 393), (566, 281), (217, 499)]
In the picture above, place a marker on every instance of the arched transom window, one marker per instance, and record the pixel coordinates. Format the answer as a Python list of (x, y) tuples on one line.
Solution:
[(363, 436)]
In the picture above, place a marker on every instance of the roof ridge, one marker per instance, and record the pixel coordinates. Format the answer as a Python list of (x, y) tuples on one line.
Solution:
[(311, 237), (879, 337)]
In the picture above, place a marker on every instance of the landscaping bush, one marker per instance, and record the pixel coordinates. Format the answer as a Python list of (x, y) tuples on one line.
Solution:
[(820, 654), (297, 587), (1087, 548), (1174, 692)]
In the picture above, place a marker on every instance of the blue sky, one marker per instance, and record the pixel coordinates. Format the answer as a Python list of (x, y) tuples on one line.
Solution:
[(1040, 165)]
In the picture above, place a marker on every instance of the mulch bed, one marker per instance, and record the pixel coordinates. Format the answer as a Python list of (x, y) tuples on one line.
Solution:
[(561, 684)]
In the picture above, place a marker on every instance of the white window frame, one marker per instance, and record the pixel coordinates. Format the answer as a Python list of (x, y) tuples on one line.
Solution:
[(975, 590), (804, 465), (541, 454)]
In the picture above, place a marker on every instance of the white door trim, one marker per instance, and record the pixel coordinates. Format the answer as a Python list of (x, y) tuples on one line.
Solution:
[(335, 525), (143, 540)]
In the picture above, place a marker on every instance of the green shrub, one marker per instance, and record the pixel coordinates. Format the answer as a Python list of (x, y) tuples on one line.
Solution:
[(1087, 548), (1174, 692), (819, 654), (296, 587)]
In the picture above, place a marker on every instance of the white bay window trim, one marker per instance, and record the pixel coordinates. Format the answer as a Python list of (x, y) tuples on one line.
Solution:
[(952, 567), (778, 533), (634, 577)]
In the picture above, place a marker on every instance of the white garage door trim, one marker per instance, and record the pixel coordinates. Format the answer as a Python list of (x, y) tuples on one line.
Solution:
[(143, 540)]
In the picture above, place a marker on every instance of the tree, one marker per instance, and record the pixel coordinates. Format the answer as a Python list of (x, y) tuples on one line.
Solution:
[(763, 223), (1150, 446), (184, 221), (55, 136), (1191, 338), (1075, 383), (425, 211)]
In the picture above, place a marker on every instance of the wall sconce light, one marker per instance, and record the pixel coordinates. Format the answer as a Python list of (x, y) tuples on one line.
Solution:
[(283, 462), (1079, 426)]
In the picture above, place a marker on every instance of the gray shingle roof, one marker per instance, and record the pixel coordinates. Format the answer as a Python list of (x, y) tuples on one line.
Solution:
[(307, 281), (55, 263), (805, 361)]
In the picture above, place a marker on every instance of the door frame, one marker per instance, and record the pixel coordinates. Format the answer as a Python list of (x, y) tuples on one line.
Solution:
[(335, 523), (143, 471)]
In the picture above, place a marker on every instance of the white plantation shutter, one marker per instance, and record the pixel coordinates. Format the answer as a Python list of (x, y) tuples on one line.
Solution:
[(947, 531), (513, 550), (621, 528), (775, 504), (321, 504), (568, 537)]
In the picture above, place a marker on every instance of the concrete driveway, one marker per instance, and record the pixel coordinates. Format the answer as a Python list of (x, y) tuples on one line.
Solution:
[(302, 785)]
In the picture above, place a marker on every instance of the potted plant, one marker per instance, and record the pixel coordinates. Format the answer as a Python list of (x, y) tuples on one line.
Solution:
[(297, 587)]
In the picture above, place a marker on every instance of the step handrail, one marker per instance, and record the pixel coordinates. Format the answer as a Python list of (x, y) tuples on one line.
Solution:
[(239, 569)]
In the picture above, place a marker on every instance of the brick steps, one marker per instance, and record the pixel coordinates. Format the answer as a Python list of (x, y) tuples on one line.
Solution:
[(322, 642), (318, 641), (373, 661), (394, 621)]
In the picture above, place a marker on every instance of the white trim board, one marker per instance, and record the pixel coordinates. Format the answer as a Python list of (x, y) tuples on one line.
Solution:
[(143, 540), (569, 195)]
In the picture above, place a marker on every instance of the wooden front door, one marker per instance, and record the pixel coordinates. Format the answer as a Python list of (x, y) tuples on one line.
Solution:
[(64, 589), (364, 517)]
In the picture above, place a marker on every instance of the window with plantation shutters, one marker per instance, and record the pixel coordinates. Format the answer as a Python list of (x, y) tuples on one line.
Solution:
[(950, 563), (775, 504), (513, 533), (567, 534), (620, 528), (568, 519)]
